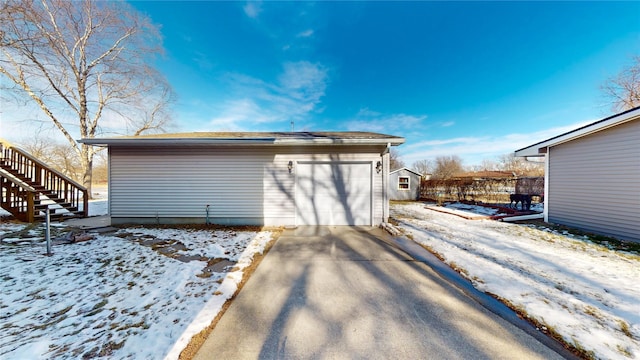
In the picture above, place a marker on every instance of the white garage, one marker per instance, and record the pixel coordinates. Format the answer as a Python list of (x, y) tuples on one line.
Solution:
[(334, 193), (272, 179)]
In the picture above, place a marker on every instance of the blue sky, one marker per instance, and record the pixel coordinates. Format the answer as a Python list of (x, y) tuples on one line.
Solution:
[(473, 79)]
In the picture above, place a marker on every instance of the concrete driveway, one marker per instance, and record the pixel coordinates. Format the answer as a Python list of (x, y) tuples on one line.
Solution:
[(347, 293)]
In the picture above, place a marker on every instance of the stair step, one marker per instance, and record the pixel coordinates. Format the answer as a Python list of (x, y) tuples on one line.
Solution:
[(65, 205), (57, 216), (21, 169), (50, 195)]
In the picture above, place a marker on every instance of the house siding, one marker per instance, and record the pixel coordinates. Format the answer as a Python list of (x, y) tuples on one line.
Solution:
[(594, 182), (242, 185), (413, 193)]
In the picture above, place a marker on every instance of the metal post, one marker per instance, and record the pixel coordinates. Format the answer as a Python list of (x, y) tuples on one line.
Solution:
[(47, 231)]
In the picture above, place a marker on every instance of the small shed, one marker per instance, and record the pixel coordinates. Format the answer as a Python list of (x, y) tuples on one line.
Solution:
[(249, 178), (592, 176), (404, 184)]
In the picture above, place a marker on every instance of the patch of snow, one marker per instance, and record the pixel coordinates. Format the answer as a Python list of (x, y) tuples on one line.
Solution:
[(585, 292), (98, 207), (7, 227), (224, 292), (113, 297), (472, 209)]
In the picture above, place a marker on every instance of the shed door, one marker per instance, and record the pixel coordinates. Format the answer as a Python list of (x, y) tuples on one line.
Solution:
[(334, 193)]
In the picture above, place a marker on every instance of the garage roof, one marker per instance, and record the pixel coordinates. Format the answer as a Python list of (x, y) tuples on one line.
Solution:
[(539, 149), (406, 169), (251, 138)]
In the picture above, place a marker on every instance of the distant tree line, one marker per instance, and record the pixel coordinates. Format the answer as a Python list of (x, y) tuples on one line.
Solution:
[(451, 166), (446, 178)]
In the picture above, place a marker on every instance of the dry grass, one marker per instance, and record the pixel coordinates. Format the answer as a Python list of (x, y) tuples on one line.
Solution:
[(624, 327), (628, 249), (575, 348)]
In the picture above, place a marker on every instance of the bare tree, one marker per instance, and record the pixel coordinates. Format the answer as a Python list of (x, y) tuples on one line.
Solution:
[(623, 90), (395, 162), (40, 147), (488, 165), (424, 167), (85, 65), (520, 166), (60, 156), (447, 167), (509, 162), (101, 168)]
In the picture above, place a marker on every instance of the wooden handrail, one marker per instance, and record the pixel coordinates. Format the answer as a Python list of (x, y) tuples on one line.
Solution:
[(17, 197), (44, 176), (6, 145)]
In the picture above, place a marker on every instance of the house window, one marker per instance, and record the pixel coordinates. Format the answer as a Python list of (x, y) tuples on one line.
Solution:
[(403, 183)]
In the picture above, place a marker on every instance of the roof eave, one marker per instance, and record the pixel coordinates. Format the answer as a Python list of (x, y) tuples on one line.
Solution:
[(407, 169), (540, 149), (229, 142), (165, 141), (378, 141), (533, 151)]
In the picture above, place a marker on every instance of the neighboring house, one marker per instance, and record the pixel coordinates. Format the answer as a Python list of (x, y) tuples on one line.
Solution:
[(404, 184), (273, 179), (592, 177)]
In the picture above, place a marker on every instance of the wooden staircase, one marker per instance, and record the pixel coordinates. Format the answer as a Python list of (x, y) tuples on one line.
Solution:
[(28, 187)]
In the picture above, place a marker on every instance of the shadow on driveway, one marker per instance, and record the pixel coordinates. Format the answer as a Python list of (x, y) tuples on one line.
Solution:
[(347, 293)]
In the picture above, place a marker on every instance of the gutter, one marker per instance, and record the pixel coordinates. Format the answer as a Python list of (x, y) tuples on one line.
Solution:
[(174, 141), (230, 142)]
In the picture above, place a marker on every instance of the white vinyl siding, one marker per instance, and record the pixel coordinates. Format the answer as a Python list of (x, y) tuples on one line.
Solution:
[(594, 182), (150, 183), (242, 185)]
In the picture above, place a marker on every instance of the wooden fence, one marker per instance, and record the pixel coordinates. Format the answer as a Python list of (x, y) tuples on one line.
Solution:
[(488, 190)]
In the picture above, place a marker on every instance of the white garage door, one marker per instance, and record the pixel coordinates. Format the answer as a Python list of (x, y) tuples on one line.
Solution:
[(333, 193)]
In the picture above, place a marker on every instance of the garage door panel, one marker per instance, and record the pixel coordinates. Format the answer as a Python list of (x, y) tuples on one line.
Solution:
[(333, 194)]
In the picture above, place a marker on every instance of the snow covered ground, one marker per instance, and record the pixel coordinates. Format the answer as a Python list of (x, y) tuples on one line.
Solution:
[(143, 293), (137, 293), (585, 292), (468, 209)]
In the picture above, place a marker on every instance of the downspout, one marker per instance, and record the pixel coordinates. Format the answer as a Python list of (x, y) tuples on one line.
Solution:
[(109, 192), (385, 179), (545, 211)]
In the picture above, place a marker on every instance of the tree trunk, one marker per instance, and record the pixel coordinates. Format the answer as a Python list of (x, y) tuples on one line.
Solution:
[(87, 168)]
